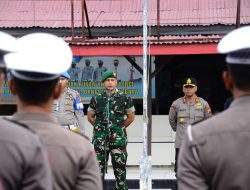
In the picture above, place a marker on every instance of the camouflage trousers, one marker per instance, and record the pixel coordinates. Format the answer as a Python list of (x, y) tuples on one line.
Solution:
[(118, 160)]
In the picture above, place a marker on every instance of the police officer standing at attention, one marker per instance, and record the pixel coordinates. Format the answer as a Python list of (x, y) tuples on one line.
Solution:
[(23, 160), (35, 84), (215, 153), (185, 111), (111, 112), (68, 108)]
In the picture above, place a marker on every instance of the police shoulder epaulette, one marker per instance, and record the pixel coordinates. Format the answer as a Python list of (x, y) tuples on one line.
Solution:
[(179, 100), (72, 90), (201, 100), (20, 124), (192, 145)]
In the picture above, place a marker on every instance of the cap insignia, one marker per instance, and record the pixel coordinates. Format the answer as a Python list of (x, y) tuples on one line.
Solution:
[(189, 81)]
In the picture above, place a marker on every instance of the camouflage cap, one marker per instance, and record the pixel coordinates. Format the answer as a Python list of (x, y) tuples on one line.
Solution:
[(189, 82), (108, 74)]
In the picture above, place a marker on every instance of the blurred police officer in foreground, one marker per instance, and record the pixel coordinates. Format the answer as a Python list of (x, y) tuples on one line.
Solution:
[(111, 113), (23, 163), (185, 111), (68, 108), (35, 83), (215, 154)]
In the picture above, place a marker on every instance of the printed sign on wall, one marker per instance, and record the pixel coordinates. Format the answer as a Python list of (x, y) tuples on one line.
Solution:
[(86, 73)]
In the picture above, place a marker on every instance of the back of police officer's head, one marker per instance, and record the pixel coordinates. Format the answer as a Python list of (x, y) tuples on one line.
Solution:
[(34, 92), (36, 67), (236, 46)]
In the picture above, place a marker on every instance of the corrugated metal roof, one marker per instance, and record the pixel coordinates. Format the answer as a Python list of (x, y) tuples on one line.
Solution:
[(164, 40), (104, 13)]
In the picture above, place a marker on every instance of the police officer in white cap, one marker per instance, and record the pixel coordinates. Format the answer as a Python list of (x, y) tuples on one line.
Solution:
[(215, 153), (23, 160), (35, 83), (68, 108)]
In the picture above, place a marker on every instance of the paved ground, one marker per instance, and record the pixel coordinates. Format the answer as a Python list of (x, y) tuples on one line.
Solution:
[(163, 177), (158, 172)]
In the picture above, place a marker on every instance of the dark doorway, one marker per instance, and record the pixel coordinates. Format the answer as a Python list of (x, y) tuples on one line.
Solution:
[(207, 69)]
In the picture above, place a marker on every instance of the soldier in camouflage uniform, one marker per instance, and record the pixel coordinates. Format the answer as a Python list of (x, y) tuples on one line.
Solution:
[(110, 113), (68, 108)]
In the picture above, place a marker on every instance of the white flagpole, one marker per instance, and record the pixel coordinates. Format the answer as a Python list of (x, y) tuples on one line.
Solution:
[(145, 162)]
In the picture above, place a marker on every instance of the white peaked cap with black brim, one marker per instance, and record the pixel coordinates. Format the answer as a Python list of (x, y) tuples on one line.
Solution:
[(7, 44), (237, 45), (39, 57)]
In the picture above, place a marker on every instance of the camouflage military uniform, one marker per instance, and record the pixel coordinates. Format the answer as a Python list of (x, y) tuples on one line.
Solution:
[(115, 133)]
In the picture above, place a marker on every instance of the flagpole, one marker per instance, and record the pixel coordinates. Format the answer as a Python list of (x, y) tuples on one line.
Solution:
[(145, 162)]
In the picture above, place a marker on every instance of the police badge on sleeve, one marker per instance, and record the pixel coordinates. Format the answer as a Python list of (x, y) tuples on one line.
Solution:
[(78, 105)]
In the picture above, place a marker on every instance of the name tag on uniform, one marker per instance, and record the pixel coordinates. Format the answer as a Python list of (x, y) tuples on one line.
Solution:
[(198, 106)]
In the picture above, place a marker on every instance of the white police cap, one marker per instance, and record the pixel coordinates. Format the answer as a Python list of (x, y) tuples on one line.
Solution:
[(7, 42), (40, 53), (237, 45)]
